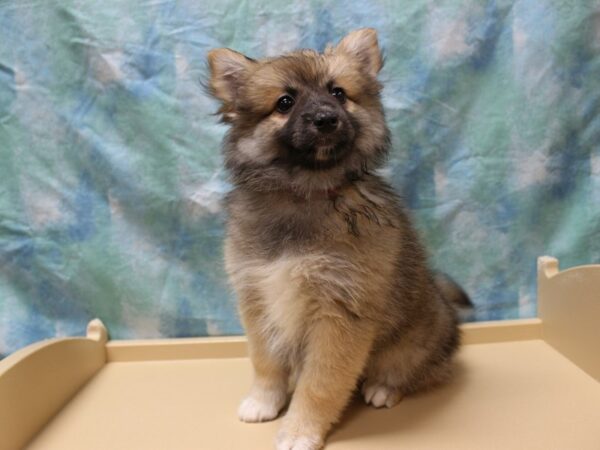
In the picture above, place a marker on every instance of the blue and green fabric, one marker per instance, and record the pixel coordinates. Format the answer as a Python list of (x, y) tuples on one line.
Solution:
[(110, 170)]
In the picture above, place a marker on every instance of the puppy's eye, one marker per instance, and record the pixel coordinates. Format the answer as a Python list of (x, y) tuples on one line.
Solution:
[(339, 93), (285, 103)]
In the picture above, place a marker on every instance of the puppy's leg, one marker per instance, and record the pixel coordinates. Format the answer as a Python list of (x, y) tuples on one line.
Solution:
[(388, 381), (390, 371), (415, 363), (388, 374), (335, 354), (268, 393)]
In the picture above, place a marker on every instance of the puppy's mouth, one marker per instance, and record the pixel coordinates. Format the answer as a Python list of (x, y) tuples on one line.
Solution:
[(328, 151), (312, 150), (320, 156)]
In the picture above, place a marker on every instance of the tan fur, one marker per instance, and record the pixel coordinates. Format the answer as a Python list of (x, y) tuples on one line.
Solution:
[(333, 284)]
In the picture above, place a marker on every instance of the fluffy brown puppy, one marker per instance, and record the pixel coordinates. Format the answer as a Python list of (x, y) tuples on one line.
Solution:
[(333, 285)]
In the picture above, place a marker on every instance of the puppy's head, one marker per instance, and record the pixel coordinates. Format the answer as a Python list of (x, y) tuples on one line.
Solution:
[(303, 121)]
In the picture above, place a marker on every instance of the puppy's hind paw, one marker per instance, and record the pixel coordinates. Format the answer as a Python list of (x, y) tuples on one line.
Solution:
[(380, 395), (256, 409)]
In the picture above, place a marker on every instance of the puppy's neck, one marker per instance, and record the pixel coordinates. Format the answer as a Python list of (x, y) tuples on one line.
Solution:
[(325, 194), (331, 193)]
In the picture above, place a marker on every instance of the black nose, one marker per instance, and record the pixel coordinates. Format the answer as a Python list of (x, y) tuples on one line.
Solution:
[(326, 121)]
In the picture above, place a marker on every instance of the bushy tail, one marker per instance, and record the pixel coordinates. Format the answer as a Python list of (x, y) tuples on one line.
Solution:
[(452, 292)]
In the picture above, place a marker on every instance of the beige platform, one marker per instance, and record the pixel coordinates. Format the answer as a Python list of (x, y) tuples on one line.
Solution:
[(527, 384)]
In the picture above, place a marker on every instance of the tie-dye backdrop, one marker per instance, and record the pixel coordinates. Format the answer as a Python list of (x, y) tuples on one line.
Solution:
[(110, 178)]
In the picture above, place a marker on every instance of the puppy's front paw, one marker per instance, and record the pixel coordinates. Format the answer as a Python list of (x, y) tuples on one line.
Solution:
[(293, 441), (260, 407), (380, 395)]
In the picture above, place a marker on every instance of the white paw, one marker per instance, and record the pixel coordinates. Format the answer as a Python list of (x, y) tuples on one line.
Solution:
[(380, 395), (259, 408), (286, 441)]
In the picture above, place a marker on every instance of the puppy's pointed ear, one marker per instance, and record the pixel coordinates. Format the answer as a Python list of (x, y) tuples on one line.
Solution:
[(227, 72), (362, 46)]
